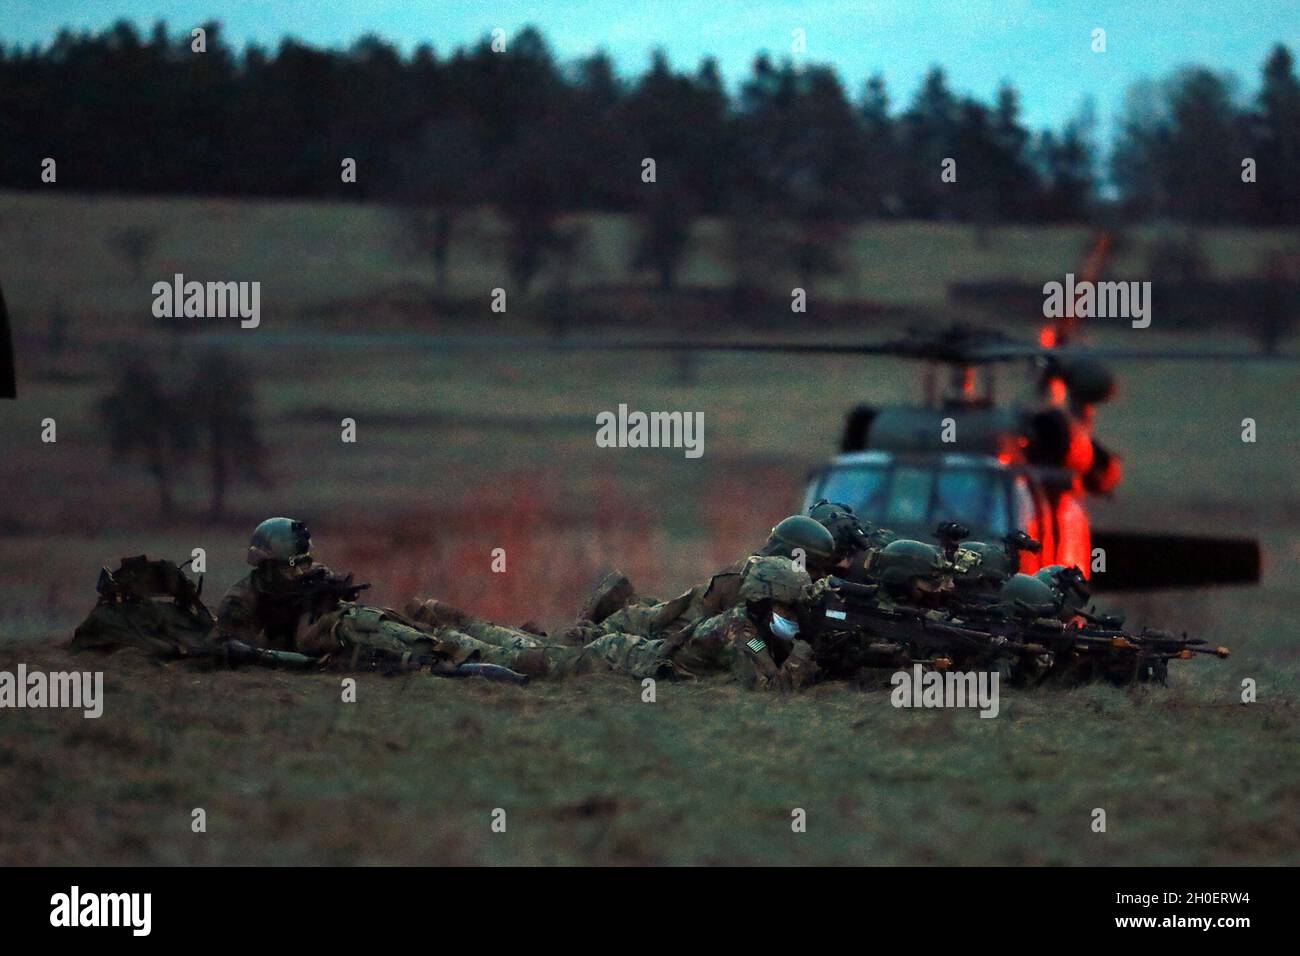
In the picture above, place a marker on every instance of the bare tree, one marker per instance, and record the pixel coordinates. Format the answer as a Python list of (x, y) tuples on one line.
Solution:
[(135, 244), (813, 250), (143, 422), (531, 202), (664, 234), (434, 182), (223, 411), (751, 242)]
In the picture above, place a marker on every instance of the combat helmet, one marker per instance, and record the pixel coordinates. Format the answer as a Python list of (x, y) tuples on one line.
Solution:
[(1047, 573), (846, 529), (805, 534), (279, 539), (1069, 584), (979, 564), (770, 578), (900, 563), (1025, 592)]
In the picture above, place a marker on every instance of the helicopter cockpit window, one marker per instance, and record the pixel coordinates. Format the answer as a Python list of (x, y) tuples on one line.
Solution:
[(909, 502), (975, 496), (999, 521), (861, 488), (913, 499)]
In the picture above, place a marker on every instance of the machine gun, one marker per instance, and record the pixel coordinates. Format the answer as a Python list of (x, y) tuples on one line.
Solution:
[(850, 623), (1095, 645)]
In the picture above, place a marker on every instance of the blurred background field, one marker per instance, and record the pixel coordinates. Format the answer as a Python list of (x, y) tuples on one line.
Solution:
[(460, 452), (62, 251)]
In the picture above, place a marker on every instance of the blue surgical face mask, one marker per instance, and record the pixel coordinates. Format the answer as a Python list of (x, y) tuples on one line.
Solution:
[(783, 627)]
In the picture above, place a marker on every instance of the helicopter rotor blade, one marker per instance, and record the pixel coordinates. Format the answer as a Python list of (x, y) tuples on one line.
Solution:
[(956, 350), (506, 342)]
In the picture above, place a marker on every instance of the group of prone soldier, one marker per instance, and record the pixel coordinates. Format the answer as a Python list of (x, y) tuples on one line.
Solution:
[(828, 596)]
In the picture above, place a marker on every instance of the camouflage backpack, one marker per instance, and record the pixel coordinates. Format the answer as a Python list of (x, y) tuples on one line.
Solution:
[(150, 605)]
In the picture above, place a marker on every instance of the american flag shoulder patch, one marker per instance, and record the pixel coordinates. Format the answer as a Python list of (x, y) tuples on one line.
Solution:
[(756, 645)]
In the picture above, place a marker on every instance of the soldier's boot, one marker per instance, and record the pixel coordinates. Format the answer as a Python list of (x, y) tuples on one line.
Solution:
[(613, 593), (434, 613)]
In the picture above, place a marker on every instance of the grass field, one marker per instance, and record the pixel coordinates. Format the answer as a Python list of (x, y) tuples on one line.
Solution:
[(586, 773), (459, 453)]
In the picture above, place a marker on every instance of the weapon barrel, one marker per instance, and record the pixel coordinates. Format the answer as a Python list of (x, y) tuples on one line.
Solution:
[(237, 652), (493, 672)]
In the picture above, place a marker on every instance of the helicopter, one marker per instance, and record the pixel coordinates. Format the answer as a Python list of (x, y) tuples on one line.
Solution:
[(1026, 467), (959, 455)]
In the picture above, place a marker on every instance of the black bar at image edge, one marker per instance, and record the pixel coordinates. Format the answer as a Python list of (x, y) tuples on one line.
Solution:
[(234, 904)]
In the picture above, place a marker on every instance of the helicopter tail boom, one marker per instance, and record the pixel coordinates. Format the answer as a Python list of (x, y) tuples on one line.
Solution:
[(1140, 561)]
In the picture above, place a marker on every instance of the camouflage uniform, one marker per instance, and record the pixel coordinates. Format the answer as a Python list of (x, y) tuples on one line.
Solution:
[(730, 642), (275, 607), (490, 643), (357, 636), (721, 593), (261, 611), (670, 618), (735, 641)]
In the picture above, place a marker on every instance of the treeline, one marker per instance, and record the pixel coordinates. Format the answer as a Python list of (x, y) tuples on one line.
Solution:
[(514, 128)]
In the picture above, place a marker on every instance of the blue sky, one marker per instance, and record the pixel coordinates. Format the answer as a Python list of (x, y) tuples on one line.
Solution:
[(1043, 46)]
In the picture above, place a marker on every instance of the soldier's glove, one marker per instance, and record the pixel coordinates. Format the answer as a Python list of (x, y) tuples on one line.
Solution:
[(799, 669), (801, 651)]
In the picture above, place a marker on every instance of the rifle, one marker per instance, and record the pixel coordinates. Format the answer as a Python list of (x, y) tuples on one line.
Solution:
[(235, 652), (493, 672), (851, 630), (322, 591), (376, 659)]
